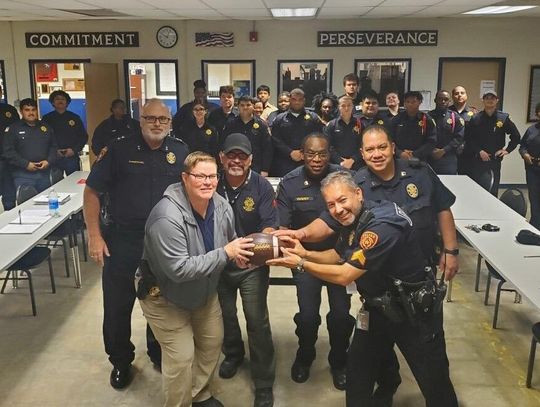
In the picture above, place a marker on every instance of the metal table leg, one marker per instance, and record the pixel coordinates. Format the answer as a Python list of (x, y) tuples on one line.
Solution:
[(478, 267)]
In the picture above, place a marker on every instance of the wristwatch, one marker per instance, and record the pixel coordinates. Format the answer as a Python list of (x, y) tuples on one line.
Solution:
[(300, 266), (453, 252)]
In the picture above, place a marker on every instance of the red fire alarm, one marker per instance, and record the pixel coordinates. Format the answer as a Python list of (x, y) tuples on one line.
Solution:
[(253, 36)]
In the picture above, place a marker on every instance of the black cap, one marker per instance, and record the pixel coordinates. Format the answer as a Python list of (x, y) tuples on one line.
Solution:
[(237, 141), (199, 84)]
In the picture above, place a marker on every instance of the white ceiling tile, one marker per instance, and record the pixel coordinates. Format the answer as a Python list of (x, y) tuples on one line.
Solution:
[(118, 4), (16, 5), (472, 3), (400, 3), (196, 13), (172, 4), (441, 11), (338, 12), (393, 11), (349, 3), (60, 4), (248, 12), (293, 3), (234, 4)]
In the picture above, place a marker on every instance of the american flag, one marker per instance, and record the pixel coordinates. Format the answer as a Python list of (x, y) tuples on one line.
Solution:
[(214, 39)]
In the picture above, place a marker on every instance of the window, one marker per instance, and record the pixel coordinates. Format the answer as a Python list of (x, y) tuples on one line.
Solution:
[(239, 74)]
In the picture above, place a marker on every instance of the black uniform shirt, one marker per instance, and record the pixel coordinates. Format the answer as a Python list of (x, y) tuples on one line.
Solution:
[(488, 133), (8, 115), (299, 202), (530, 143), (345, 140), (417, 133), (186, 112), (135, 176), (110, 129), (197, 138), (24, 143), (466, 114), (450, 129), (219, 119), (68, 129), (256, 130), (252, 203), (384, 246)]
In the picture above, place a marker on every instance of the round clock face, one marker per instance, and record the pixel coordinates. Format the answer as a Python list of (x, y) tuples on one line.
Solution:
[(167, 37)]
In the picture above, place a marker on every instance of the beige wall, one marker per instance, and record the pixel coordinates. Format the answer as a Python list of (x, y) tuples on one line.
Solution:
[(512, 38)]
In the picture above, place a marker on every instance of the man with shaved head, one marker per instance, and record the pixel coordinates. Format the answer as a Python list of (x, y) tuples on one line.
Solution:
[(461, 107), (134, 172)]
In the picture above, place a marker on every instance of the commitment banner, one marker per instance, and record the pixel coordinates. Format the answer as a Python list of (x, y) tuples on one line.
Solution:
[(412, 38), (82, 39)]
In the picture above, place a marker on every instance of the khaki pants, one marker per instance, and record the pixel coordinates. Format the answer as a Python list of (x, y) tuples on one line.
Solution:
[(191, 345)]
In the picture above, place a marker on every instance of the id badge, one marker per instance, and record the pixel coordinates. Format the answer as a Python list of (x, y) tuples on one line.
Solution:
[(351, 288), (362, 319)]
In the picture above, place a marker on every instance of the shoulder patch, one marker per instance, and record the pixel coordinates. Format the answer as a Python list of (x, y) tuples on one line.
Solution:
[(368, 240), (359, 255)]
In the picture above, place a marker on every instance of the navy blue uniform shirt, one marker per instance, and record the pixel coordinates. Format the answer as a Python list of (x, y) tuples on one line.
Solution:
[(197, 138), (384, 246), (68, 129), (110, 129), (488, 133), (8, 115), (252, 203), (256, 130), (206, 226), (136, 176), (450, 129), (530, 143), (417, 133), (300, 202), (219, 119), (24, 143), (345, 140)]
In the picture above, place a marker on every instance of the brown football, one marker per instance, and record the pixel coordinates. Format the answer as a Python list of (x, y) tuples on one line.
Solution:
[(267, 247)]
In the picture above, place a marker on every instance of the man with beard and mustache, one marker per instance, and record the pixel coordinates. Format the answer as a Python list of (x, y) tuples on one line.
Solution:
[(134, 172), (299, 202), (251, 196), (466, 112)]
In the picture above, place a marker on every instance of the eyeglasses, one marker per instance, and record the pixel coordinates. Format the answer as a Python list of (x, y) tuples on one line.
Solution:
[(160, 119), (231, 155), (199, 109), (203, 177), (310, 155)]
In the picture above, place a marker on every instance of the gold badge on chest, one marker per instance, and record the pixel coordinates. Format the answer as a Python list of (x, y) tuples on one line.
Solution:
[(171, 158), (249, 204), (412, 190)]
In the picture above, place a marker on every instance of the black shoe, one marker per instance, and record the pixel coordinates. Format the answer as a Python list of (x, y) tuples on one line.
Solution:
[(229, 367), (339, 377), (211, 402), (157, 364), (120, 377), (299, 372), (264, 397)]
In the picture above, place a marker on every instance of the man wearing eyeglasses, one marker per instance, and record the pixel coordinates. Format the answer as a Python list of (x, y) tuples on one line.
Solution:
[(251, 196), (134, 171), (299, 202)]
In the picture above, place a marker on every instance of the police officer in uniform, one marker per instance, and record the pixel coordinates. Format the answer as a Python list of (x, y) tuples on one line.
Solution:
[(30, 148), (69, 131), (256, 130), (392, 103), (530, 151), (198, 133), (288, 131), (460, 106), (450, 134), (134, 171), (251, 196), (8, 115), (200, 95), (382, 255), (227, 111), (283, 103), (118, 124), (299, 202), (414, 132), (351, 83), (485, 140)]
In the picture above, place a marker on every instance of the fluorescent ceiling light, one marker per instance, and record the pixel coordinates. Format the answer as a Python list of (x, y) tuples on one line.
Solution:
[(499, 9), (293, 12)]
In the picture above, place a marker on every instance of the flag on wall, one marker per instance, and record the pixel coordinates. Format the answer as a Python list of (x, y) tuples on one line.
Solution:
[(214, 39)]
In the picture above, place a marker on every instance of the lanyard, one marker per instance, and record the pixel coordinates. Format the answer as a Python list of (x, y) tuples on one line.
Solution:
[(232, 199)]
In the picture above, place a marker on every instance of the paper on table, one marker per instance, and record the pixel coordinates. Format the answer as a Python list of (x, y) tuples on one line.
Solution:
[(17, 229), (63, 197), (32, 216)]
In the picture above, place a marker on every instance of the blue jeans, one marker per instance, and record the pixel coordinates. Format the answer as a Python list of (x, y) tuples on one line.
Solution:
[(40, 180)]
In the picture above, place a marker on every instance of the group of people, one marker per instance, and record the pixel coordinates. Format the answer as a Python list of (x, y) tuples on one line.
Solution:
[(181, 193)]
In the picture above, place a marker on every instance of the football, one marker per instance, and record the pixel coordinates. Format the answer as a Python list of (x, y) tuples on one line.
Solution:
[(267, 247)]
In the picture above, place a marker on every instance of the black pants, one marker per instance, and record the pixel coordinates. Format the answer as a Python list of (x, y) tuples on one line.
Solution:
[(125, 247), (7, 186), (423, 347), (533, 185), (481, 174), (446, 165), (338, 321)]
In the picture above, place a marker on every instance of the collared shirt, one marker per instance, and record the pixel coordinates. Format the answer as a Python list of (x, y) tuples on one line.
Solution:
[(111, 129), (8, 115), (488, 133), (417, 133), (530, 142), (24, 143), (68, 129), (186, 112), (206, 226), (252, 203), (256, 130), (466, 113), (136, 176), (299, 202), (219, 119), (204, 138), (450, 129), (268, 108), (345, 140)]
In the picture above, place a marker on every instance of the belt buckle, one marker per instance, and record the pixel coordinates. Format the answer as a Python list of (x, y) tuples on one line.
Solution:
[(154, 291)]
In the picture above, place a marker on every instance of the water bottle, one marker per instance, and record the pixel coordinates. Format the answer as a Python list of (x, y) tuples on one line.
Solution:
[(54, 206)]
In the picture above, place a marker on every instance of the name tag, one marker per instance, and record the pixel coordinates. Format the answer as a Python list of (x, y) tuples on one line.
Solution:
[(303, 198), (135, 162)]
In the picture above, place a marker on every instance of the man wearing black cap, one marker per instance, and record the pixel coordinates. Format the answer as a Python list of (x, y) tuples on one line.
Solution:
[(251, 197), (485, 140), (69, 131)]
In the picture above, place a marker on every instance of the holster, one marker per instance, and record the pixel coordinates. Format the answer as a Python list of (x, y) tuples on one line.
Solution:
[(147, 283), (388, 305)]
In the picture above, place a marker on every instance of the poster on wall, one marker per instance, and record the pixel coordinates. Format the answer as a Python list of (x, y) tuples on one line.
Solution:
[(46, 72), (312, 76), (381, 76)]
